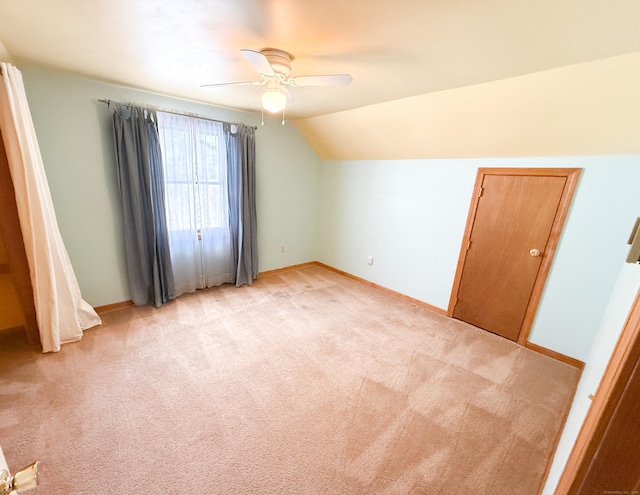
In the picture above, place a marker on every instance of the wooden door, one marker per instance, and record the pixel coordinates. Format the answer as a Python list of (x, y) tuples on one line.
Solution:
[(16, 293), (605, 457), (615, 465), (511, 234)]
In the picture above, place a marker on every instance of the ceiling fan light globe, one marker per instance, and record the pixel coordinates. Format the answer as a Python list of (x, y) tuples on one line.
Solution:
[(273, 100)]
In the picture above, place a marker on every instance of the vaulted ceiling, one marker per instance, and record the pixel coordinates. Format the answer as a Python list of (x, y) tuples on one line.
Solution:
[(393, 49)]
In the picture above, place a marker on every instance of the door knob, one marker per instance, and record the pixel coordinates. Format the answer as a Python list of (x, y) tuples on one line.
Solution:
[(534, 252)]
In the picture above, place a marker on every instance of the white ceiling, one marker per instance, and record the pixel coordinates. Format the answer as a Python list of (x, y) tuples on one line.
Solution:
[(394, 49)]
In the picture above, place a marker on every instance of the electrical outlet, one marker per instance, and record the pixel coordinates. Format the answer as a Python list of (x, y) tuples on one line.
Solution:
[(369, 260), (282, 249)]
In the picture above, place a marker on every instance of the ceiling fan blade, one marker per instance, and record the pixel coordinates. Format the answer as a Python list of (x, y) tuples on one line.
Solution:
[(287, 93), (259, 62), (326, 80), (243, 83)]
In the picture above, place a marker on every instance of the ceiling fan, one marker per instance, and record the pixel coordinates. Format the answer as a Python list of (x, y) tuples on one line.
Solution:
[(274, 66)]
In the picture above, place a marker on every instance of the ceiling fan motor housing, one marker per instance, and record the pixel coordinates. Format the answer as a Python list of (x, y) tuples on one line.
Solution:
[(279, 60)]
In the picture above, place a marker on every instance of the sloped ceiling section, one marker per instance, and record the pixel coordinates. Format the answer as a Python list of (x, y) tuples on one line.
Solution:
[(394, 50), (431, 56), (585, 109)]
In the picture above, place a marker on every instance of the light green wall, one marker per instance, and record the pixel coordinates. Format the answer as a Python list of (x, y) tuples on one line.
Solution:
[(74, 134), (410, 216)]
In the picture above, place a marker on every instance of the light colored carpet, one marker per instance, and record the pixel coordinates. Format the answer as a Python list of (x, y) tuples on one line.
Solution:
[(305, 383)]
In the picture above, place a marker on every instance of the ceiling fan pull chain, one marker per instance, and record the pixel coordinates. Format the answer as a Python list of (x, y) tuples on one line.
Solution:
[(262, 109), (282, 116)]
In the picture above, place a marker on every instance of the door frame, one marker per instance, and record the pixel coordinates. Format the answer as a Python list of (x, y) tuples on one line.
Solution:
[(572, 175), (12, 234), (605, 403)]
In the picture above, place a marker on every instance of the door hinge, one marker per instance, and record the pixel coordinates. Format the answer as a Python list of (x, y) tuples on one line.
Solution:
[(468, 244), (481, 191)]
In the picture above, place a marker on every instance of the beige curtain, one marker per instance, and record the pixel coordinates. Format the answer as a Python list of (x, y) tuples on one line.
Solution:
[(61, 312)]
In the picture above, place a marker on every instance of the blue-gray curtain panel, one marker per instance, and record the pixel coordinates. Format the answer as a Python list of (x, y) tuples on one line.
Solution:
[(241, 174), (141, 183)]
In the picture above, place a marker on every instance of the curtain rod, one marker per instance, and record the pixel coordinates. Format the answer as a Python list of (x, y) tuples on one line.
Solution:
[(173, 112)]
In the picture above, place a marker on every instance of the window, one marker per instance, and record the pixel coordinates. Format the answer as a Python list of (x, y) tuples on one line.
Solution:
[(194, 169), (194, 162)]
